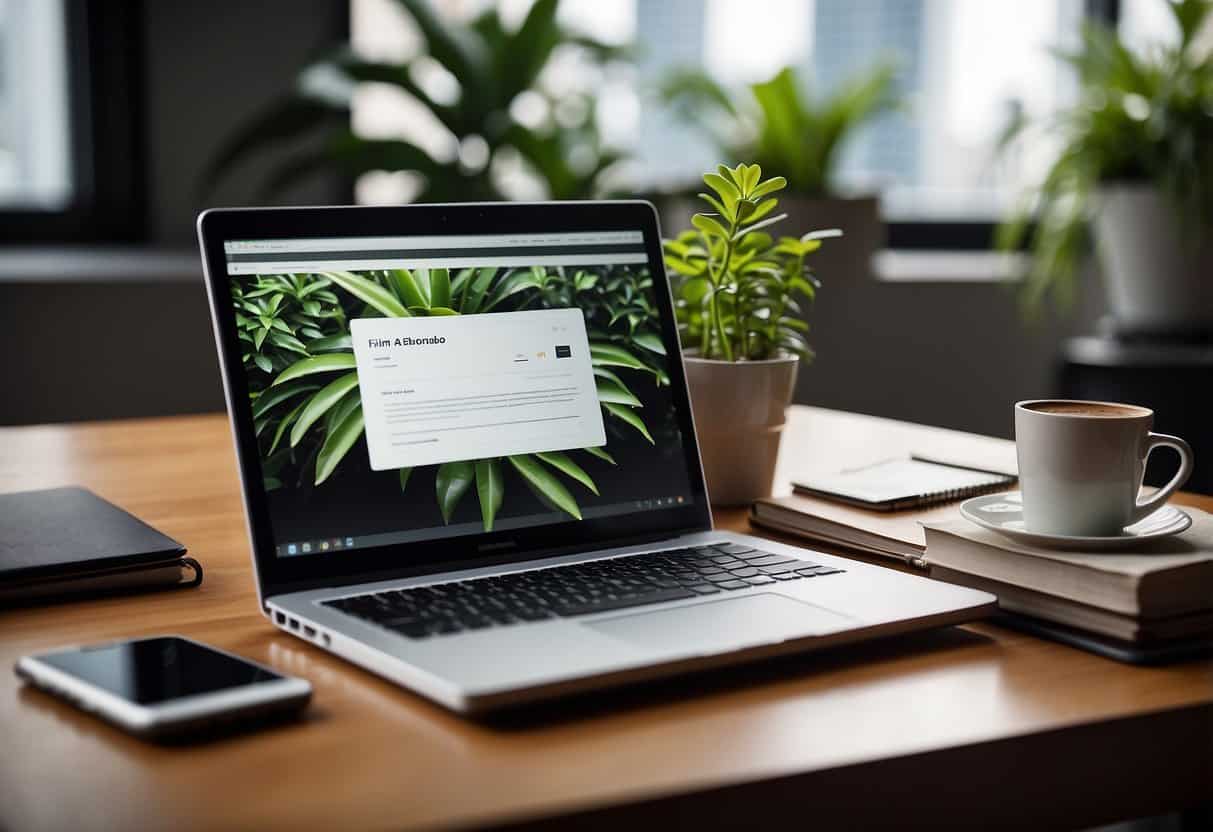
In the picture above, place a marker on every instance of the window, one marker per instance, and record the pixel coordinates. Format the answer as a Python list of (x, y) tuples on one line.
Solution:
[(965, 72), (70, 165), (35, 134)]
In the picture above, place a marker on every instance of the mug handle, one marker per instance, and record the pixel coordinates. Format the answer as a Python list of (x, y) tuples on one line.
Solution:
[(1162, 440)]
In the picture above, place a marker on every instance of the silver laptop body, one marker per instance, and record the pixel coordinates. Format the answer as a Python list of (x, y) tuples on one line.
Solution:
[(820, 600)]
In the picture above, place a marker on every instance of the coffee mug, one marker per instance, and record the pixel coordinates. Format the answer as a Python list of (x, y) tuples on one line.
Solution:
[(1081, 464)]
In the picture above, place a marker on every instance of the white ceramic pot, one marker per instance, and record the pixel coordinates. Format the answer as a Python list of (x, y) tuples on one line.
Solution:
[(1158, 275), (739, 412)]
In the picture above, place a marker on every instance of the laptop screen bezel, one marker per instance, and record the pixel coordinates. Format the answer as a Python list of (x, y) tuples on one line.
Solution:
[(277, 575)]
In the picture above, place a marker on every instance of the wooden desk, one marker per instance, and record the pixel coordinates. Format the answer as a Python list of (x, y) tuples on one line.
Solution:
[(971, 727)]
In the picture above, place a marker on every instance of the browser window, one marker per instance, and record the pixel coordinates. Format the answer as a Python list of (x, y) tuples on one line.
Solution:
[(418, 387)]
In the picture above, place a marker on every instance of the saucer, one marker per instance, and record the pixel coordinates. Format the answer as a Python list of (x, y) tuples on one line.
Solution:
[(1003, 513)]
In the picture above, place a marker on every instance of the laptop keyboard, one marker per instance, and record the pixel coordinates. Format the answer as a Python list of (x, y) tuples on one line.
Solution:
[(576, 589)]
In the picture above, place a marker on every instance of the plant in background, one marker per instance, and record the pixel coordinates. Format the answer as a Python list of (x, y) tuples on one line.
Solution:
[(779, 125), (736, 287), (1139, 117), (308, 408), (492, 66)]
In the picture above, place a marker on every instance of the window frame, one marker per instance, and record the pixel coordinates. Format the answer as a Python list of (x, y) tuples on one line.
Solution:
[(105, 100)]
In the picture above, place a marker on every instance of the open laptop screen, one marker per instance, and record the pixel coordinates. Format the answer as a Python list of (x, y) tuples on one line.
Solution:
[(415, 388)]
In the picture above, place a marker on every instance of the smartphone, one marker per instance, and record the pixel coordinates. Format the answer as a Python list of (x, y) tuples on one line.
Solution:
[(165, 687)]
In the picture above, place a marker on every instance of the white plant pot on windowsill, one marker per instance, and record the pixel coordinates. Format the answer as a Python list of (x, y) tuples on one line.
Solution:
[(740, 409), (1157, 273)]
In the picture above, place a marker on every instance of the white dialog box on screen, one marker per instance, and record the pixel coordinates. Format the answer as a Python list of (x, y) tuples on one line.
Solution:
[(448, 388)]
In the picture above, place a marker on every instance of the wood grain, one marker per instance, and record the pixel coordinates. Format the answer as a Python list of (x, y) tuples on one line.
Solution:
[(994, 725)]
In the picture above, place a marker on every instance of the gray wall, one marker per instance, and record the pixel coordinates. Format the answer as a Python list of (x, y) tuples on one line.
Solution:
[(956, 355), (210, 67)]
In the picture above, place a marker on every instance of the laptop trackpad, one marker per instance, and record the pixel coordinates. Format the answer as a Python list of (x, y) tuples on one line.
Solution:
[(724, 624)]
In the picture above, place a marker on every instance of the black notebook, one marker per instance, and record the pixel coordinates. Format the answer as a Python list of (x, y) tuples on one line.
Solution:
[(68, 541)]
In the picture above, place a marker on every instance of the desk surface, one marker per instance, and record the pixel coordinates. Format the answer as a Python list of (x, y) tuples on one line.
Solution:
[(976, 722)]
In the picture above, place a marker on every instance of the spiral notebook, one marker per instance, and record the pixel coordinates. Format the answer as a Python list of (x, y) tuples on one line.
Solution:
[(896, 484)]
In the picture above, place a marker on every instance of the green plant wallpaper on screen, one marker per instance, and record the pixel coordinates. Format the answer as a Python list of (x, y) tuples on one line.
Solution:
[(303, 386)]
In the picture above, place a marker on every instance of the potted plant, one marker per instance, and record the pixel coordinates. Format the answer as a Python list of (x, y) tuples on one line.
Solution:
[(781, 125), (1134, 176), (737, 294), (491, 65)]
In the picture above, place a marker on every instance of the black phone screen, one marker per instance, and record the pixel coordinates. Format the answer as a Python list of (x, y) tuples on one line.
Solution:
[(157, 670)]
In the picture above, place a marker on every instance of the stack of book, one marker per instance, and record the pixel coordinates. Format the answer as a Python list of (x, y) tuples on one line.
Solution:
[(1160, 593), (1149, 604)]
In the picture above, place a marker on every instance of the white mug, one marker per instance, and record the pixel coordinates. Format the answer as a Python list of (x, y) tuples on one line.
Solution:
[(1081, 464)]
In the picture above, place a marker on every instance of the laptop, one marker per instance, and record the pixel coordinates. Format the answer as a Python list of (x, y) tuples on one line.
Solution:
[(469, 463)]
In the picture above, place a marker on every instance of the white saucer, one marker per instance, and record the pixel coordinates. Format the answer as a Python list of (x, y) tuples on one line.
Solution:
[(1003, 513)]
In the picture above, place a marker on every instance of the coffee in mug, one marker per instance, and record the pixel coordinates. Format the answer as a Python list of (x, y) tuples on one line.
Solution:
[(1081, 465)]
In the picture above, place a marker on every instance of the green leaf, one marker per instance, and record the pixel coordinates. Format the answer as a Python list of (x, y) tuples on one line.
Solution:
[(264, 363), (317, 364), (404, 477), (609, 391), (729, 213), (474, 295), (763, 208), (685, 268), (626, 414), (460, 280), (284, 424), (276, 395), (613, 356), (369, 292), (422, 278), (709, 226), (452, 482), (338, 443), (545, 484), (561, 462), (330, 343), (729, 192), (601, 454), (288, 342), (315, 284), (437, 311), (775, 183), (407, 289), (319, 404), (603, 372), (342, 409), (490, 487), (752, 228), (650, 342), (514, 283), (440, 288), (752, 174), (259, 336)]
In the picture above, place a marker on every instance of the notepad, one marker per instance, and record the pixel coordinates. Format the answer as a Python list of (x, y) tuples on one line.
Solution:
[(902, 483)]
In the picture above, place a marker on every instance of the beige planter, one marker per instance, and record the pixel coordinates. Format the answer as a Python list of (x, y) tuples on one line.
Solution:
[(739, 412)]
